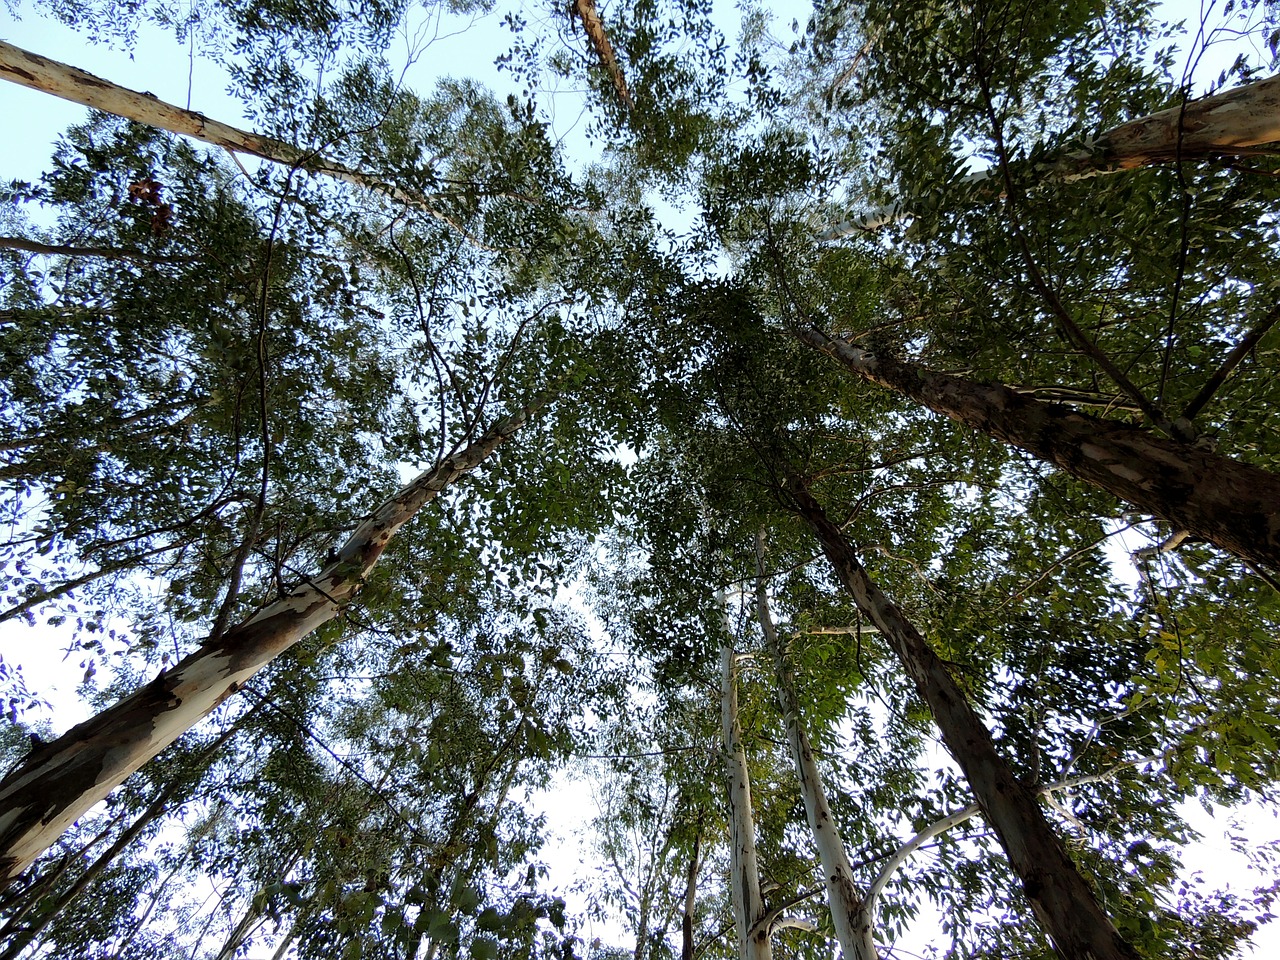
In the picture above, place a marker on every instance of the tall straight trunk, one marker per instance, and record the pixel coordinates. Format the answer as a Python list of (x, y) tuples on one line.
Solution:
[(1231, 504), (744, 873), (31, 70), (1223, 124), (690, 897), (853, 929), (1061, 898), (61, 780)]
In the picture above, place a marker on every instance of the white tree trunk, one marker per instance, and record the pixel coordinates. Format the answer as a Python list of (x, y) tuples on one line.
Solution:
[(744, 879), (1219, 125), (61, 780), (852, 925)]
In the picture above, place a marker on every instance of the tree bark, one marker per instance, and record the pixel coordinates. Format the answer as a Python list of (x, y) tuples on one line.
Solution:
[(1060, 897), (71, 83), (1221, 125), (690, 897), (744, 880), (61, 780), (22, 937), (594, 29), (102, 253), (1232, 505), (853, 933)]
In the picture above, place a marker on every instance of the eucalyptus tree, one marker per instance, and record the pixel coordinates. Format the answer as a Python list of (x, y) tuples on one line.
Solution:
[(658, 821), (52, 906), (1138, 299), (853, 928), (462, 380), (1148, 280), (743, 363)]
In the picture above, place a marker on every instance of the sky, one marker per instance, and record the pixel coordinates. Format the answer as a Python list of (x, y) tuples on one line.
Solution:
[(159, 65)]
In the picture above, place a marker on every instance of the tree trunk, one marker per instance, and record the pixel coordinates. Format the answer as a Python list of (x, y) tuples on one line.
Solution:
[(1214, 126), (101, 253), (61, 780), (854, 937), (586, 11), (744, 880), (1221, 125), (1231, 504), (1062, 900), (71, 83), (642, 929), (157, 807), (690, 897), (253, 916)]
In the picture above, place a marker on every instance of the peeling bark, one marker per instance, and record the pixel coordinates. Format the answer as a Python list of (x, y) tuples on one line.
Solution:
[(61, 780), (1062, 900), (23, 936), (1222, 124), (853, 929), (1232, 505)]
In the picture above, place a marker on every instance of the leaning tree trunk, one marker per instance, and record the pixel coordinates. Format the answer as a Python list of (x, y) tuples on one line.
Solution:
[(1061, 898), (71, 83), (853, 931), (1231, 504), (61, 780), (21, 936), (744, 873), (1221, 125), (585, 10), (255, 914)]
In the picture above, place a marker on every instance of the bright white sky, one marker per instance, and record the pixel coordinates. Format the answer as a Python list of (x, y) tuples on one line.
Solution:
[(32, 121)]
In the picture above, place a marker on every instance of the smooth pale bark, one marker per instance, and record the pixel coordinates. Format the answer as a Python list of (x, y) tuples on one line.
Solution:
[(71, 83), (1223, 124), (853, 933), (19, 937), (1060, 897), (61, 780), (1231, 504), (744, 872)]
